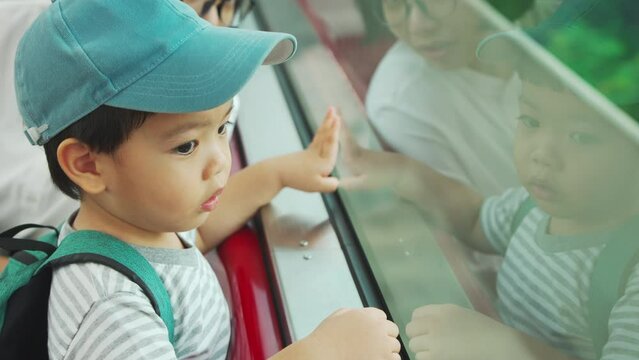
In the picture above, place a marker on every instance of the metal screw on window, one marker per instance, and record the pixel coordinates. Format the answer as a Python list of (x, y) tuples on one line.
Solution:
[(308, 256), (303, 243)]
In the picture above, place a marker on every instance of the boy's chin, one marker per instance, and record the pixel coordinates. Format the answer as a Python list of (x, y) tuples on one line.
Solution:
[(193, 223), (560, 210), (200, 221)]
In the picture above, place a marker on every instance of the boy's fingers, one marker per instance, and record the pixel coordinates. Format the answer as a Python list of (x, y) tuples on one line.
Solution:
[(324, 127), (329, 151), (328, 184), (326, 138), (330, 120), (376, 313), (329, 145), (395, 345), (340, 311), (392, 329)]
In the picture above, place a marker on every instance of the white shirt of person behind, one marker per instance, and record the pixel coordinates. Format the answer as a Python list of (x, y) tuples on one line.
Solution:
[(460, 122)]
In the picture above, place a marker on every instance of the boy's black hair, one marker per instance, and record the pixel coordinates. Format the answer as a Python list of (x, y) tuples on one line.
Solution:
[(103, 130)]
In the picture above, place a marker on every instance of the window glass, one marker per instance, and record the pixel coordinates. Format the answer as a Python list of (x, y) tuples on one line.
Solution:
[(488, 161)]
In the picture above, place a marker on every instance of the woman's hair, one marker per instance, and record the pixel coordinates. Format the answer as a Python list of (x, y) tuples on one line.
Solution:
[(103, 130)]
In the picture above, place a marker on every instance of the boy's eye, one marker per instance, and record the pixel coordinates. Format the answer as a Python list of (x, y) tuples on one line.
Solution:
[(529, 121), (222, 129), (583, 138), (186, 148)]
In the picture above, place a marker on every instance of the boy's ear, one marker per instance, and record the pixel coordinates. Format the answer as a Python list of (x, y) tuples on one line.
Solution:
[(79, 163)]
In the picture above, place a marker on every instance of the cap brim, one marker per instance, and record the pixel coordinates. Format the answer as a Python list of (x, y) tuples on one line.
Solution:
[(206, 71), (512, 48), (502, 48)]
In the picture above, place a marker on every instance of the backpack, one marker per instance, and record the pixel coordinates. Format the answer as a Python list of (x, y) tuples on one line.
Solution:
[(607, 280), (25, 283)]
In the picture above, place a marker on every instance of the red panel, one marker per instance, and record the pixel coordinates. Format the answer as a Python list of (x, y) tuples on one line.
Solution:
[(255, 325), (256, 334)]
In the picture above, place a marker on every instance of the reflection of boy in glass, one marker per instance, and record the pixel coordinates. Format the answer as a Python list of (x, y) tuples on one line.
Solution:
[(581, 173), (431, 99)]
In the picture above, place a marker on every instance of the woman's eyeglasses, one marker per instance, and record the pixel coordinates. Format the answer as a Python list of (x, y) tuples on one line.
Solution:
[(400, 10), (230, 12)]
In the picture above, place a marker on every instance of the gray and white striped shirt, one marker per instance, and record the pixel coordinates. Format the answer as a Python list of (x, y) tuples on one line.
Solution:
[(97, 313), (544, 281)]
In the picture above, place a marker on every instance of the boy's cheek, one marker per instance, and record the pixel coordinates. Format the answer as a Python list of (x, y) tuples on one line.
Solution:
[(519, 157)]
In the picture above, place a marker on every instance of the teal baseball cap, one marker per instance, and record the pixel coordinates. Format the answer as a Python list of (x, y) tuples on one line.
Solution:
[(147, 55)]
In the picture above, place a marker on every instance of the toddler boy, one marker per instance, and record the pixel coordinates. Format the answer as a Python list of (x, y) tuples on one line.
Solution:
[(130, 100)]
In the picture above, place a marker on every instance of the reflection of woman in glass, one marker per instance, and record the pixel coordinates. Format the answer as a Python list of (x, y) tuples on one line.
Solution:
[(432, 100)]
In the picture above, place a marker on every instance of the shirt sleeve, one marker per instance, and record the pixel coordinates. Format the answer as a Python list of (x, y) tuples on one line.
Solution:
[(623, 324), (497, 214)]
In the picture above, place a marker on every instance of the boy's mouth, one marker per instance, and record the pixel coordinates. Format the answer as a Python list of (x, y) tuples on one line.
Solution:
[(542, 190), (212, 202)]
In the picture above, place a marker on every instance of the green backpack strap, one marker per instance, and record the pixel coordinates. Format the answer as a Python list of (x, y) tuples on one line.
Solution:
[(93, 246), (608, 283), (523, 210)]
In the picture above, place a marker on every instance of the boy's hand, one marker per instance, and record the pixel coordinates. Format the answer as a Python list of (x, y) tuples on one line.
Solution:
[(310, 170), (450, 332), (352, 334)]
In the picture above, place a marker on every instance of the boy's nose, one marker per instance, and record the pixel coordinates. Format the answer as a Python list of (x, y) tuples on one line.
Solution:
[(545, 149), (217, 162), (545, 157), (540, 160)]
